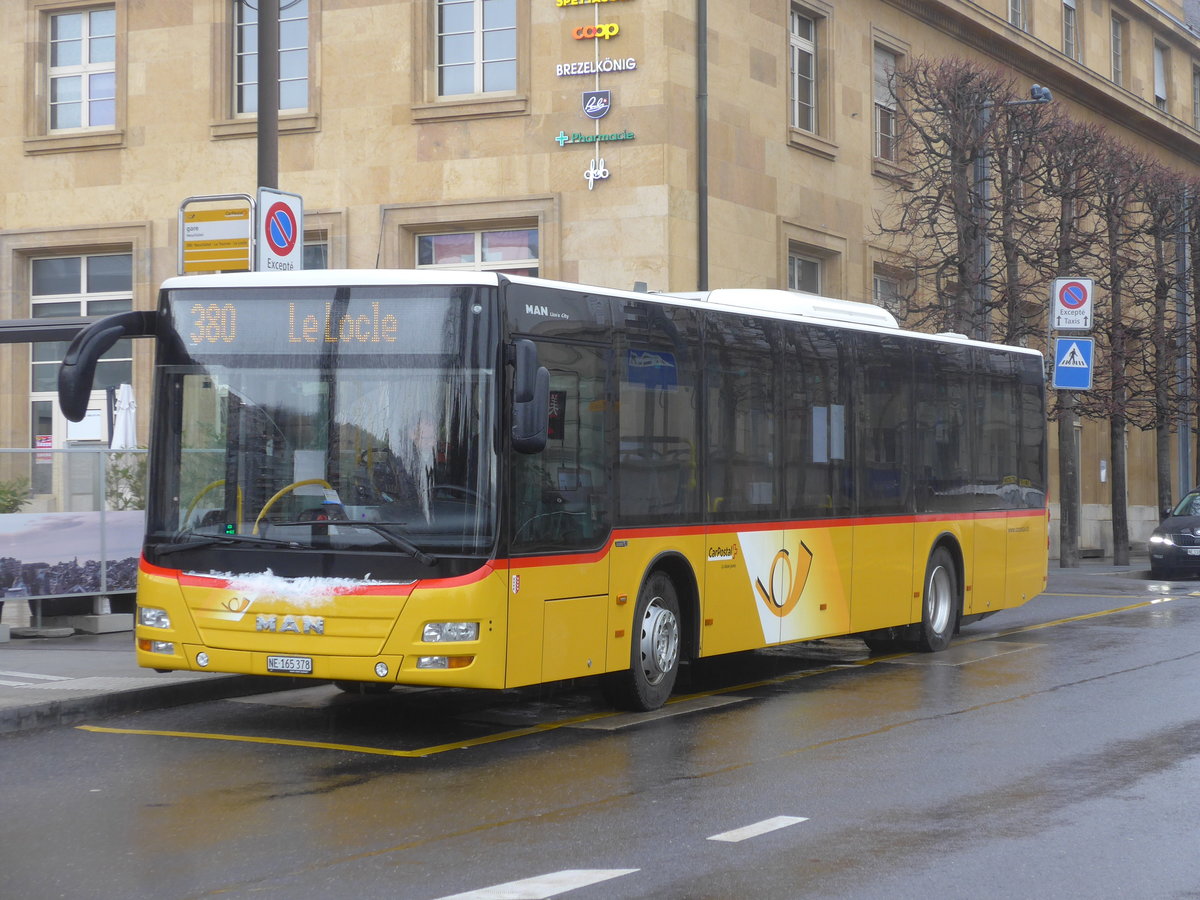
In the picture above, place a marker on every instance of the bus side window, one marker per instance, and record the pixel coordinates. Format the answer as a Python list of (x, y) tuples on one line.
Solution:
[(816, 421), (560, 496), (658, 468), (742, 371)]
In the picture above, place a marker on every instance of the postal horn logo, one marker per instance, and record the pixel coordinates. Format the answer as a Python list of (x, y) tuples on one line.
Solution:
[(596, 104), (793, 577)]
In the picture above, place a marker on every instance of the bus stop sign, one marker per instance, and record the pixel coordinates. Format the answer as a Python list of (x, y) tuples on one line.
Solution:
[(1073, 364)]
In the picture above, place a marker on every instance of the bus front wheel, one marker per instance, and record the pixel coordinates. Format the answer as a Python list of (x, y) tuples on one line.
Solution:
[(939, 606), (654, 649)]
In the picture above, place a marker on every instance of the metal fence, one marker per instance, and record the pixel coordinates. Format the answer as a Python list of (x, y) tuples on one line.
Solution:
[(71, 524)]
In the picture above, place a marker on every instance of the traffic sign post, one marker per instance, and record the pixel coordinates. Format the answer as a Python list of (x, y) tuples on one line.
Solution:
[(1071, 300), (279, 232), (1073, 363)]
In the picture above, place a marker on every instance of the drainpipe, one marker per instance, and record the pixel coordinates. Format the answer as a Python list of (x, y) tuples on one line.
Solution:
[(702, 145)]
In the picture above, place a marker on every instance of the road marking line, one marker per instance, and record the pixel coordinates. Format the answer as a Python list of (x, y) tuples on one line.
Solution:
[(682, 707), (758, 828), (31, 675), (542, 887), (349, 748)]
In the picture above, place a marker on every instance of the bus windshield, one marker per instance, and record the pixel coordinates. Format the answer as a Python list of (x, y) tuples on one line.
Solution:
[(348, 419)]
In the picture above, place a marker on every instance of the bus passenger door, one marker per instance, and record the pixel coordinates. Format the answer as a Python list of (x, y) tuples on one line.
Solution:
[(560, 519)]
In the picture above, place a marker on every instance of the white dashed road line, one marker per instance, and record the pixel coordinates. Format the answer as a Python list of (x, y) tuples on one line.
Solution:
[(25, 676), (543, 887), (763, 827)]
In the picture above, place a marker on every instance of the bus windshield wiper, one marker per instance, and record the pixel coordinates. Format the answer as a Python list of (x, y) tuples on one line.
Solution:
[(396, 540), (207, 540)]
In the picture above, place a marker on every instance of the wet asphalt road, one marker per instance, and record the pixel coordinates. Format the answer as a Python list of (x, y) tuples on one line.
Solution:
[(1051, 751)]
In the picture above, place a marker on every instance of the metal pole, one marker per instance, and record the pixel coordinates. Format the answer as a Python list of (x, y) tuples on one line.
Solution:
[(702, 145), (268, 93)]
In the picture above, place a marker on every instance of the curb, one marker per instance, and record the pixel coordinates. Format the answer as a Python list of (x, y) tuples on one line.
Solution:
[(73, 710)]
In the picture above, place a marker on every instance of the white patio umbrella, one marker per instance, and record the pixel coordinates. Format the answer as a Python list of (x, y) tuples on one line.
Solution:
[(124, 436)]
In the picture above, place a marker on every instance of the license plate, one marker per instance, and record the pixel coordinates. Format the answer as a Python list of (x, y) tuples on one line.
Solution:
[(292, 665), (1194, 551)]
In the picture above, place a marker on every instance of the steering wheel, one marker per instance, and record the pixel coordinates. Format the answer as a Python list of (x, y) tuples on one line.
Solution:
[(208, 487), (288, 489)]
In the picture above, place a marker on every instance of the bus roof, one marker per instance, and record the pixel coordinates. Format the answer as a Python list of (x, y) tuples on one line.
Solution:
[(778, 304)]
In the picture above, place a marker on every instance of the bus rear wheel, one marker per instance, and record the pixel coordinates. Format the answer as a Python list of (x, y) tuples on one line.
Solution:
[(654, 650), (939, 605)]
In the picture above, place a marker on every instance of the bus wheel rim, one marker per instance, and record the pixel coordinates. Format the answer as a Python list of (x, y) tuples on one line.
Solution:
[(659, 642), (940, 601)]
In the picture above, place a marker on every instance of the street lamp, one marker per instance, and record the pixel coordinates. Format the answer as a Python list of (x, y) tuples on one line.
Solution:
[(1037, 95)]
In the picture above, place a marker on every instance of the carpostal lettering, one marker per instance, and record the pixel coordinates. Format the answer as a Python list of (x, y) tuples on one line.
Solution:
[(360, 329), (721, 554), (596, 32), (590, 67), (561, 3)]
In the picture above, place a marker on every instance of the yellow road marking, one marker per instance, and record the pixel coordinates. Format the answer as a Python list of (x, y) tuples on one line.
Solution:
[(576, 720)]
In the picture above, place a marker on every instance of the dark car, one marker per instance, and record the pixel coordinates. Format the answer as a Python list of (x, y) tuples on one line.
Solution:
[(1175, 545)]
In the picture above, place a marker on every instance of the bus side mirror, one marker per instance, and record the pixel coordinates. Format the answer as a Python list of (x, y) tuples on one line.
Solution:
[(78, 370), (531, 400)]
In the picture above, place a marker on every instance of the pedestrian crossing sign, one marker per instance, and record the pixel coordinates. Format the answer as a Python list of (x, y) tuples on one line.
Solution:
[(1073, 363)]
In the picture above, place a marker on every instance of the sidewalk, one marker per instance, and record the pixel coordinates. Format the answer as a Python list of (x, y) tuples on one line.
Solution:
[(67, 680)]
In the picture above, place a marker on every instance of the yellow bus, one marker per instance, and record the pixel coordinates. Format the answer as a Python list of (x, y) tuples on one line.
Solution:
[(485, 481)]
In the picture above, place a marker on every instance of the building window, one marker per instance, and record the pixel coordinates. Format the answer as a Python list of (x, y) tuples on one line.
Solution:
[(476, 46), (1161, 64), (802, 40), (67, 286), (1196, 98), (511, 251), (316, 253), (1070, 30), (804, 273), (1118, 50), (885, 104), (293, 56), (888, 293), (83, 78), (1017, 16)]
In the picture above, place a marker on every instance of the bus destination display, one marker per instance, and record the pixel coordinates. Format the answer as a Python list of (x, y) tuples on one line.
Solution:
[(247, 326)]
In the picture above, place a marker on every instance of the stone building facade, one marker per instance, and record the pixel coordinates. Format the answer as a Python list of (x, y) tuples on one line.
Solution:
[(560, 137)]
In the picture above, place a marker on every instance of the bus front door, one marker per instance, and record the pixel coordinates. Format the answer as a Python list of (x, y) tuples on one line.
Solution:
[(560, 523)]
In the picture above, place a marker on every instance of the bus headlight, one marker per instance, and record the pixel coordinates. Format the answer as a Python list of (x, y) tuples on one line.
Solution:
[(435, 632), (444, 662), (148, 646), (153, 617)]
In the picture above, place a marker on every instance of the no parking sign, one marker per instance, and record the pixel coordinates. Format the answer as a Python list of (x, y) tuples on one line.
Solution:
[(1071, 300), (279, 232)]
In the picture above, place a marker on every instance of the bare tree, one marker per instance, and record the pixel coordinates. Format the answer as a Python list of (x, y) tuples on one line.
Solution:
[(937, 219), (1157, 396), (1119, 171)]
